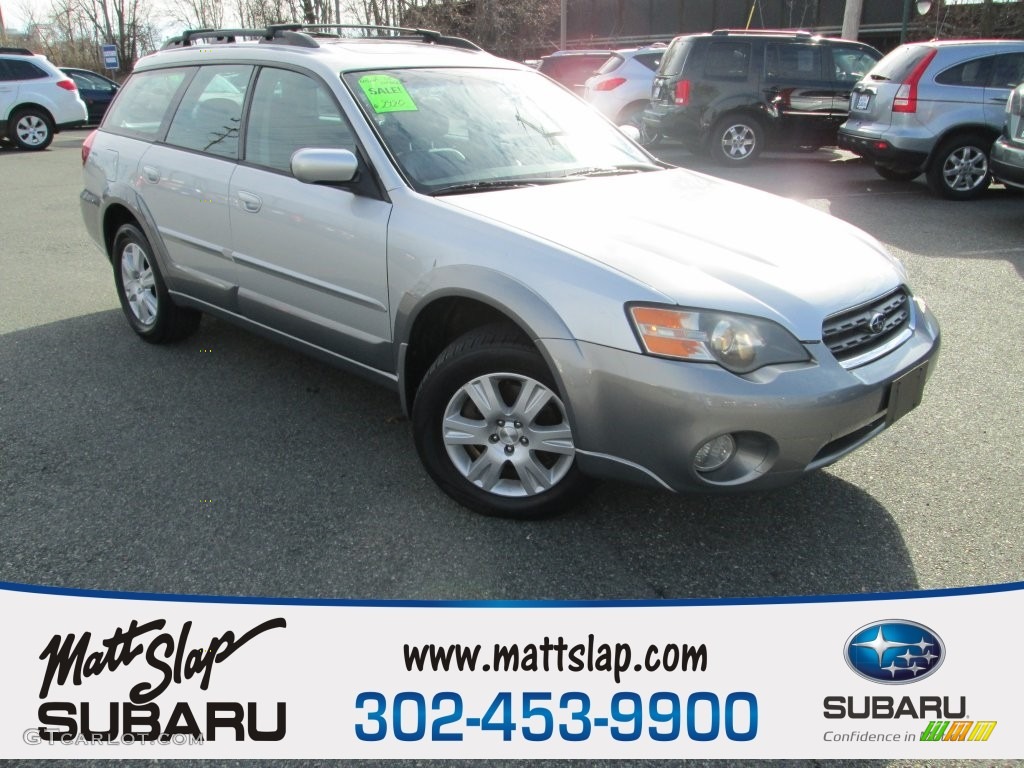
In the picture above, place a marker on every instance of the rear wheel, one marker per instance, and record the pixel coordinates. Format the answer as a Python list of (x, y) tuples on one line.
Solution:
[(31, 129), (144, 298), (897, 174), (492, 430), (960, 170), (736, 140)]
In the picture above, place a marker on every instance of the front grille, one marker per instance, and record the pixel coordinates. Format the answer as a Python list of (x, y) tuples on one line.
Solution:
[(856, 332)]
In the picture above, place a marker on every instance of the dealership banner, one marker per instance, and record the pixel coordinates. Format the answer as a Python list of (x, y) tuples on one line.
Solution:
[(917, 675)]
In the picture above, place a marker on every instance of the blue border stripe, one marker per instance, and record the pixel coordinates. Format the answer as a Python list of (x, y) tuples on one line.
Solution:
[(343, 602)]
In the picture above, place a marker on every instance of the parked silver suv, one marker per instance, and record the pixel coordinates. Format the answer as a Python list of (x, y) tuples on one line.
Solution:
[(549, 301), (935, 108)]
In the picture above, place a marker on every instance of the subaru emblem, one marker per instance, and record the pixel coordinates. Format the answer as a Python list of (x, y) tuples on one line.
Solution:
[(894, 652)]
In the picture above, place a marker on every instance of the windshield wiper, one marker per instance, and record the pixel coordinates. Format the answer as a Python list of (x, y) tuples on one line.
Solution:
[(614, 170), (481, 186)]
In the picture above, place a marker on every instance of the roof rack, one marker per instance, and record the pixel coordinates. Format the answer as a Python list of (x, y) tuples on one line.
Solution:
[(17, 51), (305, 35), (793, 32)]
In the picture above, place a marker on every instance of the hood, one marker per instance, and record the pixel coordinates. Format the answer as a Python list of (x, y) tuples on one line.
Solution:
[(704, 243)]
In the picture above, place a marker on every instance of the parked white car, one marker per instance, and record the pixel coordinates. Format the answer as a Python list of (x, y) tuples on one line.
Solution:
[(621, 88), (37, 100)]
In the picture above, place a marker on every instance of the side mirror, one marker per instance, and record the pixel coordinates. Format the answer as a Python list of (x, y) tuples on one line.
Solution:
[(318, 166)]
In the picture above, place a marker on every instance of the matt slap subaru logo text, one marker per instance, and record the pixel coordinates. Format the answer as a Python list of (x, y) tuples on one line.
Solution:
[(894, 652)]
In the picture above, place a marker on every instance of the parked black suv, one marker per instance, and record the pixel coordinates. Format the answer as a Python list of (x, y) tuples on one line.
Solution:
[(733, 92)]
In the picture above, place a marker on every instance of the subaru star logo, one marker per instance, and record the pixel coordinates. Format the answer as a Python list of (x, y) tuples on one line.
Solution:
[(894, 651), (876, 323)]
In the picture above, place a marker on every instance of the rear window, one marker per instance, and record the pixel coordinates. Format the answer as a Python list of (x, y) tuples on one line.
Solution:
[(898, 64), (674, 58)]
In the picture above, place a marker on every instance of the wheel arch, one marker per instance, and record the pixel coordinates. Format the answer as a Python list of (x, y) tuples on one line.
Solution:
[(427, 322), (29, 105), (964, 129)]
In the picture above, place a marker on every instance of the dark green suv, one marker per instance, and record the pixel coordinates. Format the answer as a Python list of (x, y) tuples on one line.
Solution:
[(732, 93)]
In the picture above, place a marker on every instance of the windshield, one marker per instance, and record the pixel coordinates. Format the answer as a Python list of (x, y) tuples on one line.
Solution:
[(449, 129)]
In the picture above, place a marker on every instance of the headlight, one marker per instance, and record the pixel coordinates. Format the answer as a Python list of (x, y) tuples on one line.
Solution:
[(738, 343)]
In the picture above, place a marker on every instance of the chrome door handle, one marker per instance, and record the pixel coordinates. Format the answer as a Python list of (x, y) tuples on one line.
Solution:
[(151, 174), (250, 202)]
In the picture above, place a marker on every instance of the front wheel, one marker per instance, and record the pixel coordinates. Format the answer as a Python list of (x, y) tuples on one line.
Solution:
[(736, 140), (959, 170), (492, 430), (144, 298)]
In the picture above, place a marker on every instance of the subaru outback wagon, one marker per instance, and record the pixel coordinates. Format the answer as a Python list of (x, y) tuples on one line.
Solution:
[(734, 92), (549, 301)]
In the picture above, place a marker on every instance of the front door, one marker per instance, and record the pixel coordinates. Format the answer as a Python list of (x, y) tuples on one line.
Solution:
[(312, 258)]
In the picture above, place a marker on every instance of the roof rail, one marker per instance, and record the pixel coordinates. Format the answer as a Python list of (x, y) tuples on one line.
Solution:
[(426, 35), (305, 35), (17, 51), (795, 32)]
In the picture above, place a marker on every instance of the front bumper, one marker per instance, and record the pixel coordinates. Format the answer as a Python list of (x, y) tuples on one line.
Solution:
[(1007, 162), (642, 419)]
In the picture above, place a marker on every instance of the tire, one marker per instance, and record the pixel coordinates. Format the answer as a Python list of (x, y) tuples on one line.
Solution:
[(648, 136), (736, 140), (960, 168), (480, 415), (31, 129), (144, 298), (896, 174)]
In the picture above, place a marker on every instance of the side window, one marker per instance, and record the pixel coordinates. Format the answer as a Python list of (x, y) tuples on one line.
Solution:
[(851, 64), (210, 113), (649, 60), (1008, 70), (24, 70), (792, 63), (729, 61), (291, 111), (975, 73), (143, 103)]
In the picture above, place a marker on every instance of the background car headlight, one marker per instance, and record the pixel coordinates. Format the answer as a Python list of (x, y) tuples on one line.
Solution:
[(739, 343)]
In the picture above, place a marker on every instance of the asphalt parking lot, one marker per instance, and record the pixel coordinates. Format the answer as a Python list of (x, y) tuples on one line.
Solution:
[(228, 465)]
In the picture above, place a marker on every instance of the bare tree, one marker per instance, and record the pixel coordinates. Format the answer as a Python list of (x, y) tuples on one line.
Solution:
[(197, 14)]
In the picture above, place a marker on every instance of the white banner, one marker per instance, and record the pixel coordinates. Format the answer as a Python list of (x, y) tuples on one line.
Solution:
[(918, 675)]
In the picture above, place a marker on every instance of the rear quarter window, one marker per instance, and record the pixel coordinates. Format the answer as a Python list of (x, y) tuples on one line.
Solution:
[(142, 106), (728, 61), (974, 73)]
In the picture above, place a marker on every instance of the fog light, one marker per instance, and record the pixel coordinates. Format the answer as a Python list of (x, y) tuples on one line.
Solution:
[(714, 453)]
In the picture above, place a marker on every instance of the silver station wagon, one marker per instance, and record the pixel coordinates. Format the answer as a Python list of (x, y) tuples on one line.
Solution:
[(550, 302)]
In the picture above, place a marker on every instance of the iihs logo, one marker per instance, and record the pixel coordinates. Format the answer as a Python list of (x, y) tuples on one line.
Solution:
[(958, 730), (894, 652)]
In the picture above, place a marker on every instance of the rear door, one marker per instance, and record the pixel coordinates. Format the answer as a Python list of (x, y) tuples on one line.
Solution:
[(871, 99), (797, 89), (186, 180), (1007, 74)]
